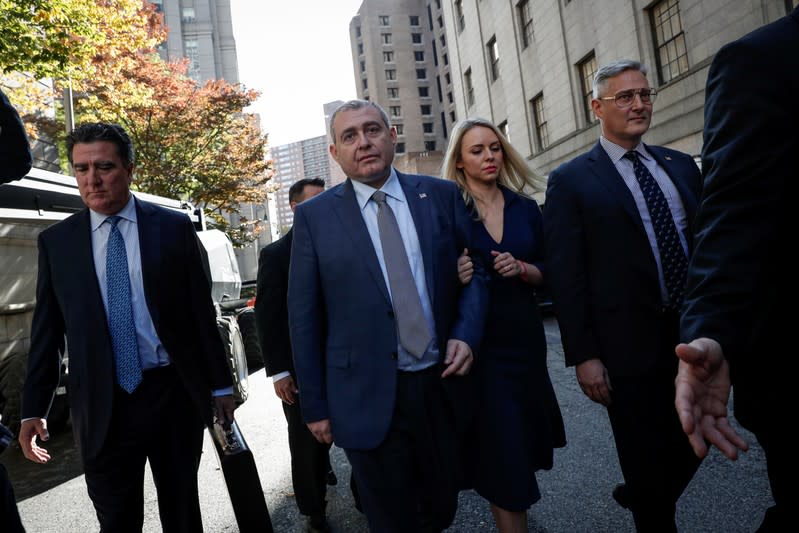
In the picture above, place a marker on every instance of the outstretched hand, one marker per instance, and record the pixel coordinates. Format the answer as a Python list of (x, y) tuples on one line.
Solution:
[(702, 392)]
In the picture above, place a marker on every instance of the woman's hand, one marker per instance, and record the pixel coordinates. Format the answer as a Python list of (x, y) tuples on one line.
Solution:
[(505, 264)]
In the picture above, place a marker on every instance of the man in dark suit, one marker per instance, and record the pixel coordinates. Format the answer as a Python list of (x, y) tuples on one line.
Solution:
[(15, 162), (734, 323), (124, 282), (616, 221), (381, 329), (310, 462)]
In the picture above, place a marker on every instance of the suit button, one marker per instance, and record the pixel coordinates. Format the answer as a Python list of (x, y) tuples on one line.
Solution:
[(394, 355), (391, 314)]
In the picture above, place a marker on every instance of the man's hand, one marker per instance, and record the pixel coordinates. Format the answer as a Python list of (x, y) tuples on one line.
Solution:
[(702, 392), (459, 358), (465, 267), (321, 430), (286, 389), (32, 428), (223, 409), (594, 380)]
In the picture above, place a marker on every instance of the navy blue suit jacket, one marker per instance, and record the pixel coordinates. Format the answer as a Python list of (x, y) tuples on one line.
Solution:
[(601, 268), (69, 302), (343, 332)]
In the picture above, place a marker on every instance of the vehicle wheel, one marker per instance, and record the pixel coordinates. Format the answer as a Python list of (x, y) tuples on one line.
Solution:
[(234, 354), (249, 335)]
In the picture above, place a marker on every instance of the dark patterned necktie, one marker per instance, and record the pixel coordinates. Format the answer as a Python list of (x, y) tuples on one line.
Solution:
[(414, 334), (120, 311), (672, 256)]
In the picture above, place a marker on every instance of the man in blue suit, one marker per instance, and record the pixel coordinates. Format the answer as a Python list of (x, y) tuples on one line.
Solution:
[(616, 222), (393, 400), (123, 281)]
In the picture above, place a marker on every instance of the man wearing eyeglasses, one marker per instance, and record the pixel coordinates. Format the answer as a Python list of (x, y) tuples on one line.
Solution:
[(616, 221)]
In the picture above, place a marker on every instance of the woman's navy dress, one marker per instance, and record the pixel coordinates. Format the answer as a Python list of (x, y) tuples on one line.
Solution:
[(518, 419)]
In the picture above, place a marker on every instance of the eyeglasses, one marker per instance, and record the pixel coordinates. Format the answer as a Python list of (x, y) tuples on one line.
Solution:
[(626, 98)]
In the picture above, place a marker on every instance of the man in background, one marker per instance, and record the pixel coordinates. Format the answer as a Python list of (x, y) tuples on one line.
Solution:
[(736, 321), (310, 459), (615, 223)]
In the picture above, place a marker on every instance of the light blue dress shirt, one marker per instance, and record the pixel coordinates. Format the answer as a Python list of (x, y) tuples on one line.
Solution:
[(625, 168), (395, 197)]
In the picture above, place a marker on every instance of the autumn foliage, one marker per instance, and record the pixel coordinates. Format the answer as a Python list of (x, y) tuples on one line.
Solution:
[(193, 141)]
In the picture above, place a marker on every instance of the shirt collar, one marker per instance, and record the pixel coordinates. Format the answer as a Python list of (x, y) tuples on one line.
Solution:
[(392, 188), (616, 152), (128, 213)]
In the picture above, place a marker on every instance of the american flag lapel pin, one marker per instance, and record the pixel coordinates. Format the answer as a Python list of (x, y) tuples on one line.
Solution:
[(668, 158), (422, 195)]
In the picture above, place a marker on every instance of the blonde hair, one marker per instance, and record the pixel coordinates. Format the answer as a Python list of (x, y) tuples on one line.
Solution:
[(515, 174)]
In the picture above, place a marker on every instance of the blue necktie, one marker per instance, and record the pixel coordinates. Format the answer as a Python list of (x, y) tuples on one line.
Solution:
[(672, 256), (412, 329), (120, 310)]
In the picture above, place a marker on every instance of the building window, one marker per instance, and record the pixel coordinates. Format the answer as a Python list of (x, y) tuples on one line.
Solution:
[(386, 38), (360, 49), (418, 56), (430, 146), (425, 109), (188, 14), (383, 20), (357, 31), (672, 57), (391, 74), (363, 66), (392, 92), (461, 21), (427, 127), (416, 38), (493, 57), (421, 73), (192, 51), (445, 59), (438, 4), (541, 132), (467, 83), (452, 116), (503, 128), (399, 128), (525, 14), (424, 92), (414, 20), (448, 78), (587, 70), (395, 111), (400, 148), (440, 22), (449, 97), (364, 84), (388, 57), (443, 40)]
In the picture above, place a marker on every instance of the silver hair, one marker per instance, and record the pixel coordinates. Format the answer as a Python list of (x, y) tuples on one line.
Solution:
[(354, 105), (611, 70)]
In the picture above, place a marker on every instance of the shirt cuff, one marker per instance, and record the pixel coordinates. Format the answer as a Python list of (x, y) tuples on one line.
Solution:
[(281, 375), (227, 391)]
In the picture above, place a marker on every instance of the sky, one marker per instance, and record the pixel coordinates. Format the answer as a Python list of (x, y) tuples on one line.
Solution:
[(298, 56)]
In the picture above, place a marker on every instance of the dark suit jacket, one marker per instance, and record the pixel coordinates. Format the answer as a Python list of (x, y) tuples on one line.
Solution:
[(601, 268), (15, 153), (740, 277), (68, 302), (342, 324), (271, 306)]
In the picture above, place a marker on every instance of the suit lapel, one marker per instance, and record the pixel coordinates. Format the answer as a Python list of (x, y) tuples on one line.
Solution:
[(419, 199), (604, 169), (86, 276), (149, 248), (348, 211)]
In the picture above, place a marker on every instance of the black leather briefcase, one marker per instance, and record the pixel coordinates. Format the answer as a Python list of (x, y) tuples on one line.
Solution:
[(241, 478)]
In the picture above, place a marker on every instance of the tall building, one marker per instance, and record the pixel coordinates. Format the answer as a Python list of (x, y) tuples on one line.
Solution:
[(294, 161), (202, 31), (528, 65), (400, 59)]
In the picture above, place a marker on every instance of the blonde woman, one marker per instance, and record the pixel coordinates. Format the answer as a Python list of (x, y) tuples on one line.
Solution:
[(518, 421)]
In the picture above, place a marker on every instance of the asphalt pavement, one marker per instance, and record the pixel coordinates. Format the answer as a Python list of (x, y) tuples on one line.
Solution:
[(576, 494)]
